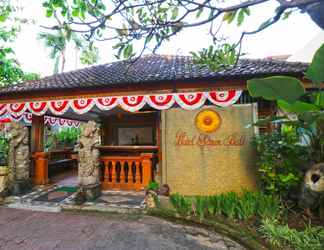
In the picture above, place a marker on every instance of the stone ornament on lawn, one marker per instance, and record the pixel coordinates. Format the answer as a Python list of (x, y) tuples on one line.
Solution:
[(18, 158), (89, 160), (313, 189)]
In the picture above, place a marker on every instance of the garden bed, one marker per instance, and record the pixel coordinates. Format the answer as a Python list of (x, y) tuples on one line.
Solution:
[(254, 219)]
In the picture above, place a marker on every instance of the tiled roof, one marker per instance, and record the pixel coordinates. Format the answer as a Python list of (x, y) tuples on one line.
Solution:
[(154, 68)]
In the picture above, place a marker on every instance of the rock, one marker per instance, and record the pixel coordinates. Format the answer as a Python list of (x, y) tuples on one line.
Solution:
[(164, 203), (164, 190), (89, 160)]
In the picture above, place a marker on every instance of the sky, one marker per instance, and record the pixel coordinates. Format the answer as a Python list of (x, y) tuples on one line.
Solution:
[(285, 37)]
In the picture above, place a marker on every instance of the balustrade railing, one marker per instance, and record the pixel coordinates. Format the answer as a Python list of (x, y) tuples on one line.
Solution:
[(127, 172)]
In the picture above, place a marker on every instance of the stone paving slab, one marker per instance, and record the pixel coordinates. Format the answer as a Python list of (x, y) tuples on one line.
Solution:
[(22, 229), (109, 201)]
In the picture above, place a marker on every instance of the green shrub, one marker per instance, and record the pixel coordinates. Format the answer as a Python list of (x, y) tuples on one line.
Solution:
[(4, 149), (181, 204), (153, 186), (267, 206), (68, 135), (231, 205), (312, 238), (246, 206), (201, 204), (280, 159)]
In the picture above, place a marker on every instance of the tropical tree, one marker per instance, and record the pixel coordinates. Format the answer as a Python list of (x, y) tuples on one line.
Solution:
[(307, 107), (58, 41), (10, 70), (152, 22)]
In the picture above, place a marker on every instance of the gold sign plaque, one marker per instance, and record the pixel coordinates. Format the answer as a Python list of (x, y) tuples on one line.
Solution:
[(208, 121)]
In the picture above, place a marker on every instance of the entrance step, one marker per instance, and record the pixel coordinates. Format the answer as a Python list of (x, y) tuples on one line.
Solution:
[(57, 198), (43, 198), (48, 207)]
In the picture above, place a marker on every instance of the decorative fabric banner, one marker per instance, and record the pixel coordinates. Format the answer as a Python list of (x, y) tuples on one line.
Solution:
[(188, 101), (224, 98), (160, 102), (48, 120)]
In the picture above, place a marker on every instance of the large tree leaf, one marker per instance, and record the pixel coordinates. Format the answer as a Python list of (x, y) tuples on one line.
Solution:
[(297, 107), (315, 71), (273, 88)]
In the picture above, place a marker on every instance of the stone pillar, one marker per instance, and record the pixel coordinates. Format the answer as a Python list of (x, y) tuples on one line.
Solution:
[(19, 158), (89, 161)]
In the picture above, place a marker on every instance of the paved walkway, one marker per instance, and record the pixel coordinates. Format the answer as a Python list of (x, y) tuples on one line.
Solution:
[(22, 229)]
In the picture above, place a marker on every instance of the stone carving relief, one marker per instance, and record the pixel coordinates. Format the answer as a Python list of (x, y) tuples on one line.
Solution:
[(89, 159), (18, 157)]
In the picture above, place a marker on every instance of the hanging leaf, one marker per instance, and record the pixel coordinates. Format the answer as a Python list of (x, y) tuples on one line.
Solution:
[(315, 71), (286, 88), (297, 107), (229, 16), (175, 12), (240, 17), (199, 12)]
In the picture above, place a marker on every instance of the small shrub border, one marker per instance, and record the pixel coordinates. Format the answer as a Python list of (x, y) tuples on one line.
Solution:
[(259, 213), (235, 232)]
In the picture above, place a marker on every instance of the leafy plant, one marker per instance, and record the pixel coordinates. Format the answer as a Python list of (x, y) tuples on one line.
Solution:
[(68, 135), (181, 204), (231, 205), (216, 57), (201, 204), (10, 70), (153, 186), (280, 159), (4, 149), (292, 98), (283, 236), (229, 202), (246, 207), (267, 206)]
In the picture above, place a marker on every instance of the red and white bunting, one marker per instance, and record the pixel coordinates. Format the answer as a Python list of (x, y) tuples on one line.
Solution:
[(59, 107), (82, 106), (28, 118), (106, 103), (17, 108), (132, 103), (38, 108), (16, 117), (52, 121), (48, 120), (3, 109), (161, 102), (188, 101), (224, 98)]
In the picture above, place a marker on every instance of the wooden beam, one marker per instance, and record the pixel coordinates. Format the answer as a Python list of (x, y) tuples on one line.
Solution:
[(37, 134)]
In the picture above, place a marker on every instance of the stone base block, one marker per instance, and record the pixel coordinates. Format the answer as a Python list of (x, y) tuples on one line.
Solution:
[(91, 192), (21, 186)]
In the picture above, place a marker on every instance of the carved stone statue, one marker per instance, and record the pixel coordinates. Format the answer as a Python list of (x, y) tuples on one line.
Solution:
[(89, 160), (312, 196), (18, 158)]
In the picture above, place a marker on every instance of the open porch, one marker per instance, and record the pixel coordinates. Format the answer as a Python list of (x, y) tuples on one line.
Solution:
[(161, 118)]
